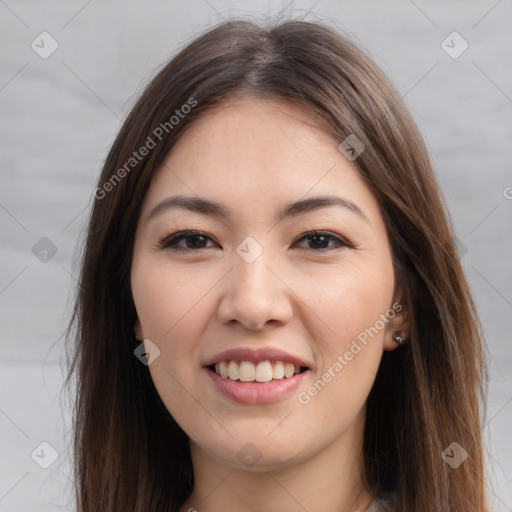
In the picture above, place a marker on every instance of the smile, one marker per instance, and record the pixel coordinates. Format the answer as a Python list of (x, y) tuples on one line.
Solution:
[(245, 382), (263, 371)]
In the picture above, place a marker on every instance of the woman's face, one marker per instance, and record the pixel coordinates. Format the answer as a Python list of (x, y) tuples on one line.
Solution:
[(256, 293)]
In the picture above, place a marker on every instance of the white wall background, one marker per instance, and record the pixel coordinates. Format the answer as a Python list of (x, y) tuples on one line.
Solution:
[(59, 116)]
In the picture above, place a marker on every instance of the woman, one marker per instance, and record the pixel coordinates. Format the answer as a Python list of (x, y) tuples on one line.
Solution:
[(271, 312)]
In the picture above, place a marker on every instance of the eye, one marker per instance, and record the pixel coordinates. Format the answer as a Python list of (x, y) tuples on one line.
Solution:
[(321, 240), (192, 239)]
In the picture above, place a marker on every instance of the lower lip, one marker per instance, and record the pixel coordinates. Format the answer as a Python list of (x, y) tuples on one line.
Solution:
[(256, 392)]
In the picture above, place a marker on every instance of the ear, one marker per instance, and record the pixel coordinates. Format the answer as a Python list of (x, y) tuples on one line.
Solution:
[(138, 330), (400, 321)]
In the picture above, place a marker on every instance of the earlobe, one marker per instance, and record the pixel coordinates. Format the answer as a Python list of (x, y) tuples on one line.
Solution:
[(399, 327)]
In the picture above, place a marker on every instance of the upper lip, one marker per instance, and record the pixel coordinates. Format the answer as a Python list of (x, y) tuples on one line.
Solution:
[(256, 355)]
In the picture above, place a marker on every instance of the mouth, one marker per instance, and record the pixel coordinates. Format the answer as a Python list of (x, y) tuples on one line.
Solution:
[(256, 376), (256, 371)]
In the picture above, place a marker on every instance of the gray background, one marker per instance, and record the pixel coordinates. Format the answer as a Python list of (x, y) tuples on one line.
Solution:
[(59, 116)]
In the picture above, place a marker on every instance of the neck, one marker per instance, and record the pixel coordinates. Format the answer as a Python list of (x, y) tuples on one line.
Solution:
[(329, 481)]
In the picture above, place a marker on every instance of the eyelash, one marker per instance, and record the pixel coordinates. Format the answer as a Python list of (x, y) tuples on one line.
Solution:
[(169, 243)]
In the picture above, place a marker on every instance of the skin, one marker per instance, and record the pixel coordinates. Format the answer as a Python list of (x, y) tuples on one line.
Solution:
[(255, 155)]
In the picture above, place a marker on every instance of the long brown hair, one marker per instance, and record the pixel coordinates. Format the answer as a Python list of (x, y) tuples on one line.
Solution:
[(130, 454)]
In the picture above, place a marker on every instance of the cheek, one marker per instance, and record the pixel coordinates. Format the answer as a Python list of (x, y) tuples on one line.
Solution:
[(348, 300), (348, 329), (170, 303), (173, 310)]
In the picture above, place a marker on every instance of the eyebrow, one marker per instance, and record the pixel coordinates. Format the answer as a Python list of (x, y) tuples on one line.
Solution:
[(214, 209)]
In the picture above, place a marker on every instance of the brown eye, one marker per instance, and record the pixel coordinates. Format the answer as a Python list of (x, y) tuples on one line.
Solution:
[(192, 240), (320, 240)]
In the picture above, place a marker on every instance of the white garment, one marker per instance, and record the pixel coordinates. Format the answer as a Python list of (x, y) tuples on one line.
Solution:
[(384, 504)]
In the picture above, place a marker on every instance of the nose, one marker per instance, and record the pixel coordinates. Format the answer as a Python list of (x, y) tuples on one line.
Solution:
[(255, 295)]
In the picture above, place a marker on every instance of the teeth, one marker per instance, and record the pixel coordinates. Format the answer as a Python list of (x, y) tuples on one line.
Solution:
[(247, 371), (278, 370), (233, 373), (264, 371), (223, 368)]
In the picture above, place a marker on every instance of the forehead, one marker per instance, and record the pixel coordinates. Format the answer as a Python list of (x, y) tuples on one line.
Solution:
[(250, 151)]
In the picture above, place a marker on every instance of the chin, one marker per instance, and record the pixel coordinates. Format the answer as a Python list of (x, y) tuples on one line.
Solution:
[(258, 454)]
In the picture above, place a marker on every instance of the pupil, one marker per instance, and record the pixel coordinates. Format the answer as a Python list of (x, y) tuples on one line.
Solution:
[(195, 238), (322, 242)]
